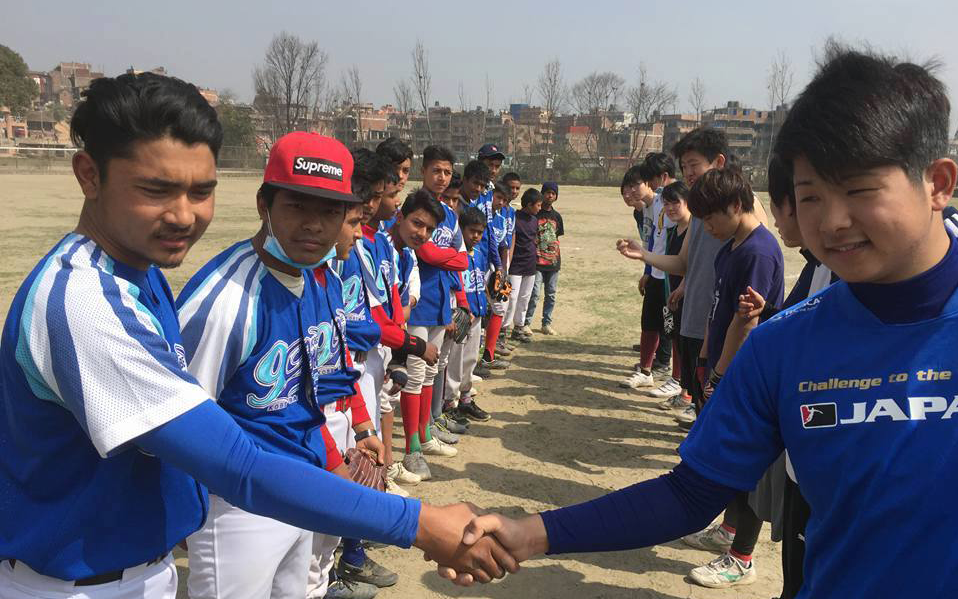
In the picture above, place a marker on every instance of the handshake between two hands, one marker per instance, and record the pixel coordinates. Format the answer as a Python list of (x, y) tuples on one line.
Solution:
[(469, 547)]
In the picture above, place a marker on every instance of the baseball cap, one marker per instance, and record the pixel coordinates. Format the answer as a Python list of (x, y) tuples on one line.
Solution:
[(311, 164), (490, 151)]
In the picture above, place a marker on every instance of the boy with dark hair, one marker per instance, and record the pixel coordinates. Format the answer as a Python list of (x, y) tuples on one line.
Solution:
[(548, 259), (452, 195), (522, 269), (502, 226), (464, 355), (399, 155)]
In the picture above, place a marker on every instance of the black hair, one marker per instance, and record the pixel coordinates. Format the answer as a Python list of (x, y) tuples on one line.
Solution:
[(117, 112), (718, 190), (472, 216), (674, 192), (501, 188), (435, 154), (477, 169), (455, 182), (631, 177), (780, 186), (369, 169), (530, 196), (394, 150), (706, 141), (510, 176), (863, 110), (422, 199), (660, 163)]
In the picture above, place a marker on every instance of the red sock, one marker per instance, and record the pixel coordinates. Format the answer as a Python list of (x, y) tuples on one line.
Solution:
[(728, 528), (425, 411), (409, 406), (649, 342), (676, 361), (492, 334), (744, 558)]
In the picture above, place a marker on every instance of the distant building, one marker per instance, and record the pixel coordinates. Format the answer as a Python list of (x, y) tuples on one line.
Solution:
[(68, 80)]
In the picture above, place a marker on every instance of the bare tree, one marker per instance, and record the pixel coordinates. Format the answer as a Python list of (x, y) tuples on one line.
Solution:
[(527, 91), (779, 86), (552, 90), (287, 82), (403, 93), (463, 100), (422, 80), (352, 89), (646, 100), (592, 97), (485, 112), (697, 98)]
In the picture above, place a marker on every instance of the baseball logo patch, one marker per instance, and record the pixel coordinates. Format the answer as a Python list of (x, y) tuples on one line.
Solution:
[(819, 415)]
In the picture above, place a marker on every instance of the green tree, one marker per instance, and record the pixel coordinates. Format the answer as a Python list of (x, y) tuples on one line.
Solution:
[(237, 126), (17, 90)]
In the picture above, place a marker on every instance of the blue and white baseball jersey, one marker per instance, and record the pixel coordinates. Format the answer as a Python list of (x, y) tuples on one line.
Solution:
[(869, 421), (362, 332), (408, 271), (509, 215), (484, 203), (91, 359), (474, 282), (271, 359), (382, 272), (433, 307)]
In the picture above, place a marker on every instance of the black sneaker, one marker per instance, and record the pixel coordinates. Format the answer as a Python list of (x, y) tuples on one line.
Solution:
[(503, 349), (473, 411), (370, 573), (520, 337), (345, 589), (659, 369), (481, 372), (495, 364), (452, 415)]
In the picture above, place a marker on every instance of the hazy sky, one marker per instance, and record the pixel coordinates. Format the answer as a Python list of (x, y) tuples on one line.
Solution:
[(728, 44)]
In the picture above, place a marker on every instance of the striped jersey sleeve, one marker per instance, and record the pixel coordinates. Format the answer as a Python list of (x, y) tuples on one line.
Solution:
[(97, 341), (217, 310)]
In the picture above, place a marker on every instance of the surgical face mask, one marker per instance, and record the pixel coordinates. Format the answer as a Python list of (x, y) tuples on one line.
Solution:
[(273, 247)]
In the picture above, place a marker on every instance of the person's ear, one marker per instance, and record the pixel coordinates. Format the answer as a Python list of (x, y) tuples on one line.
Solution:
[(720, 161), (940, 179), (261, 207), (88, 175)]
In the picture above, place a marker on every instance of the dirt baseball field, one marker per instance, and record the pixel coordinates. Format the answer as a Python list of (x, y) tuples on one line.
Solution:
[(562, 430)]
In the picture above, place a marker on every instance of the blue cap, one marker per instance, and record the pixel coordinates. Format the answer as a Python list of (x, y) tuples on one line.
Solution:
[(550, 186), (490, 151)]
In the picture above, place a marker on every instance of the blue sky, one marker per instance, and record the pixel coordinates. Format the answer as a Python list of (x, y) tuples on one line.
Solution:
[(729, 45)]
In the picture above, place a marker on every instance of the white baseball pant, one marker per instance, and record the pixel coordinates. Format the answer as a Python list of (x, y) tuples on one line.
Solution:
[(462, 359), (519, 300), (417, 370), (154, 581)]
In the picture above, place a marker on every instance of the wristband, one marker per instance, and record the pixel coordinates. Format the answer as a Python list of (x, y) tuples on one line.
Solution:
[(714, 378), (369, 432), (414, 345)]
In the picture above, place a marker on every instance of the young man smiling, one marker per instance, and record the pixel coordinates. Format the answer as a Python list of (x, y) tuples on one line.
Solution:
[(866, 142)]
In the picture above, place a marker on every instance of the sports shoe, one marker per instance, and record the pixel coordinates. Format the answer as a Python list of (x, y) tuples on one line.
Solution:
[(415, 462), (676, 402), (494, 364), (449, 424), (398, 473), (518, 336), (473, 411), (436, 447), (713, 538), (344, 589), (637, 380), (452, 415), (548, 330), (480, 373), (444, 435), (686, 416), (502, 349), (659, 369), (526, 330), (370, 573), (724, 571), (637, 347), (393, 489), (667, 389)]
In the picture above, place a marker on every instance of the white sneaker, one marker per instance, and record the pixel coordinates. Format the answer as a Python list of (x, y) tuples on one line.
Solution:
[(526, 330), (394, 489), (686, 416), (724, 571), (548, 330), (398, 474), (667, 389), (676, 402), (713, 538), (637, 380), (436, 447)]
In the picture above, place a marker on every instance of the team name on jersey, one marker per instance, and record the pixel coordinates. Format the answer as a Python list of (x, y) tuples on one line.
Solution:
[(442, 236), (318, 167), (352, 292), (825, 415)]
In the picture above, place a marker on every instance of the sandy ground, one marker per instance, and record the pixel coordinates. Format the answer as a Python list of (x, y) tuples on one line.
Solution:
[(562, 430)]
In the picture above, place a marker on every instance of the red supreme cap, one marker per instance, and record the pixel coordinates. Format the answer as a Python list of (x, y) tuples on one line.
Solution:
[(311, 164)]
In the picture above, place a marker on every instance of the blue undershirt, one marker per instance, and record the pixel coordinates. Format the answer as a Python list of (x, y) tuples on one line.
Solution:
[(683, 501)]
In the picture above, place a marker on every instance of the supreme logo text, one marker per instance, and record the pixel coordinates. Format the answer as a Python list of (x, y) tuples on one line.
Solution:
[(317, 167)]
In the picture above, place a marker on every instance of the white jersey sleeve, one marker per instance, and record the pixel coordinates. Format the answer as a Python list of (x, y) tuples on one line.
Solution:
[(414, 291), (88, 342)]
